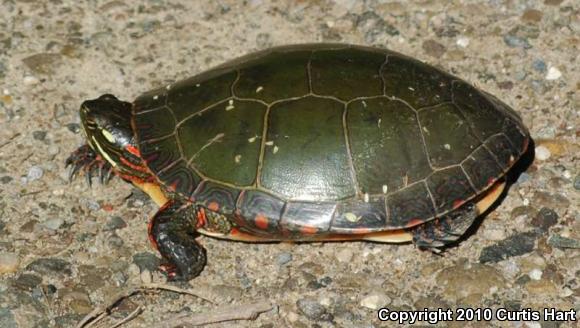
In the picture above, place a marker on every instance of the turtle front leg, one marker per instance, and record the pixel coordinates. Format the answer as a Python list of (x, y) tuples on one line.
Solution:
[(442, 232), (85, 160), (172, 232)]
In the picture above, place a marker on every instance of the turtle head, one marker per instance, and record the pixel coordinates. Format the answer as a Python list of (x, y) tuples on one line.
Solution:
[(106, 122)]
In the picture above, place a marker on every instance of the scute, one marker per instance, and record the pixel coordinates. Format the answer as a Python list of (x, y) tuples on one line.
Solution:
[(326, 139)]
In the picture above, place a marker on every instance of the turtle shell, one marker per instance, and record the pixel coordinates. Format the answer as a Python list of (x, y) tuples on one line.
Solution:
[(326, 139)]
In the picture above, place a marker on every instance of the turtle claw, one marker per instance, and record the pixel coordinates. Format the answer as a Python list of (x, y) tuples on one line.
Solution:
[(85, 160)]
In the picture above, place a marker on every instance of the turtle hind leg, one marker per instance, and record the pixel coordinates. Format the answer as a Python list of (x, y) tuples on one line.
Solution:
[(442, 232), (172, 231)]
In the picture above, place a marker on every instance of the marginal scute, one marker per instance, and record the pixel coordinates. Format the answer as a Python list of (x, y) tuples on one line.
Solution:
[(255, 205), (410, 206), (386, 145), (210, 194), (416, 83), (450, 187), (503, 150), (353, 216), (448, 136), (298, 215), (481, 168)]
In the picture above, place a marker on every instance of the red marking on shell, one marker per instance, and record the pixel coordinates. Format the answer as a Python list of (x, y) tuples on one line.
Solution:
[(490, 181), (457, 203), (173, 186), (214, 206), (308, 230), (261, 221), (201, 218), (413, 222), (133, 150), (234, 231), (361, 231)]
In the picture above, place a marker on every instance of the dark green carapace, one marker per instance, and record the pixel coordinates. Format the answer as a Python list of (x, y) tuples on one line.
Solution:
[(318, 141)]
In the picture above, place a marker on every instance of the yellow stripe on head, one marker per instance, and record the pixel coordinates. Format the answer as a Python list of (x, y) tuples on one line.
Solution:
[(109, 136), (104, 153)]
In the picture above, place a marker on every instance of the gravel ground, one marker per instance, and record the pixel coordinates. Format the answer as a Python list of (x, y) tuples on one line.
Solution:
[(65, 248)]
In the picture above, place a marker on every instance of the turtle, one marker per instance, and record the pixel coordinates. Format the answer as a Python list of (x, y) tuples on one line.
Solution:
[(307, 142)]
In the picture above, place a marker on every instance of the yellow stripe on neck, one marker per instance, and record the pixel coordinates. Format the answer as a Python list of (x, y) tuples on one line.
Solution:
[(104, 153)]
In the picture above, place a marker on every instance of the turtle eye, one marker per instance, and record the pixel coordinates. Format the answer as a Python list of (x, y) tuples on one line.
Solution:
[(109, 136)]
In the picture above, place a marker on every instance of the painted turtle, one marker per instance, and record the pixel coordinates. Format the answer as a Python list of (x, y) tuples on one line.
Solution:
[(306, 142)]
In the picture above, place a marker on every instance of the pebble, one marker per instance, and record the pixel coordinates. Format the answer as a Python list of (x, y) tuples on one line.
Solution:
[(34, 173), (30, 80), (317, 284), (494, 233), (284, 258), (9, 262), (7, 318), (532, 15), (146, 276), (539, 65), (520, 75), (524, 177), (43, 63), (46, 266), (6, 179), (463, 280), (53, 224), (545, 199), (434, 48), (542, 153), (515, 245), (535, 274), (114, 241), (375, 301), (92, 205), (563, 242), (545, 218), (553, 74), (546, 132), (27, 281), (463, 42), (577, 182), (344, 255), (313, 310), (114, 223), (39, 135), (53, 150), (146, 261), (516, 41), (73, 127)]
